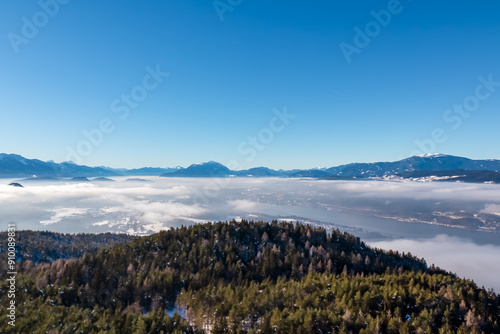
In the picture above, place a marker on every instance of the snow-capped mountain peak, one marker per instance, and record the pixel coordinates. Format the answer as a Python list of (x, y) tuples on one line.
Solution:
[(430, 155)]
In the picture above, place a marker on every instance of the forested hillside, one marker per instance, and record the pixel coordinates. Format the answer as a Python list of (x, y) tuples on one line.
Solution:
[(44, 246), (248, 277)]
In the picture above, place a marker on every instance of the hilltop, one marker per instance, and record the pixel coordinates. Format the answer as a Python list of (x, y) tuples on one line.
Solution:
[(248, 277)]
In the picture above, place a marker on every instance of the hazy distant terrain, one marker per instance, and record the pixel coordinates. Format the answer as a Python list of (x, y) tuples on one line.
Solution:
[(426, 167), (143, 206), (451, 211)]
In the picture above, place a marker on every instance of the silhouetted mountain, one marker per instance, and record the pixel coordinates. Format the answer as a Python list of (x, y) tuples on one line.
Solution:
[(136, 180), (428, 162), (80, 179), (102, 179), (259, 172), (147, 171), (15, 184), (207, 169), (13, 165)]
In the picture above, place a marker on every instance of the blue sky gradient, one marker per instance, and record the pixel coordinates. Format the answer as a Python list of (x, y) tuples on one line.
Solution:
[(225, 78)]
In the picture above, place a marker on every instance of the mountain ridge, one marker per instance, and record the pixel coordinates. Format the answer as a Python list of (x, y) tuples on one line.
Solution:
[(13, 165)]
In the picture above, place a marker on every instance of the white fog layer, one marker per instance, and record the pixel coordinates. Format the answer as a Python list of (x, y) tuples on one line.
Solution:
[(453, 225)]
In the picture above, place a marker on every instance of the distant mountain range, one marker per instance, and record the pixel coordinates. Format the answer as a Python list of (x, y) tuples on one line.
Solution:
[(480, 170), (429, 162), (215, 169), (13, 165), (451, 167)]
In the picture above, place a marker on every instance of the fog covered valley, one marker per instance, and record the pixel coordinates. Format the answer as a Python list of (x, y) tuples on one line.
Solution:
[(453, 225)]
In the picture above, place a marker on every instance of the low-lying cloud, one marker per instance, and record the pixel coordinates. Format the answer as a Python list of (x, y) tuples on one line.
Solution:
[(137, 207), (463, 257), (167, 202)]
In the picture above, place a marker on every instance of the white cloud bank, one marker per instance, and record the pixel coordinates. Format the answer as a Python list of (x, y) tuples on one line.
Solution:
[(478, 262), (162, 203)]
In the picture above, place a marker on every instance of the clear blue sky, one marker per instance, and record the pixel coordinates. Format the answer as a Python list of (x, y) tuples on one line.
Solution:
[(226, 77)]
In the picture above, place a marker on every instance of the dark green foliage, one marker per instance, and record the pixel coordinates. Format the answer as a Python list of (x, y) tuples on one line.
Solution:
[(318, 303), (43, 246), (252, 277)]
